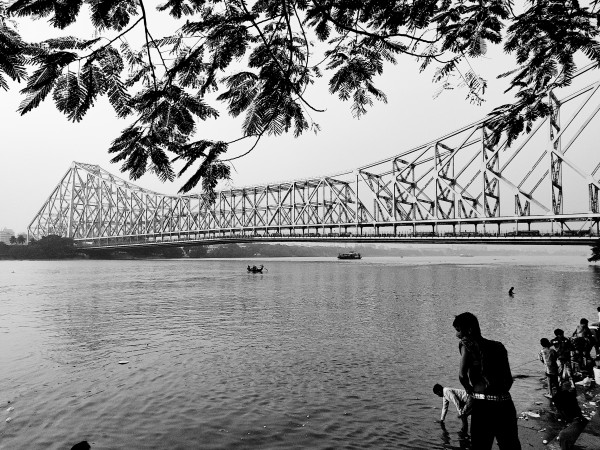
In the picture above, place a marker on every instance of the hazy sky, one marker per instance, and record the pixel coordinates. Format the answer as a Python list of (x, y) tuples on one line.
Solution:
[(38, 148)]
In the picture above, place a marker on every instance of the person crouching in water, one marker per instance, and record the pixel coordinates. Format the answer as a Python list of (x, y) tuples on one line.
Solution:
[(485, 375), (563, 349), (548, 356), (461, 400)]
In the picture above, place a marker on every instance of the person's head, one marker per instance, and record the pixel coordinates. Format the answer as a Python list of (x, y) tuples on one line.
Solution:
[(467, 326), (559, 333), (598, 309), (544, 342), (583, 322), (83, 445), (438, 390)]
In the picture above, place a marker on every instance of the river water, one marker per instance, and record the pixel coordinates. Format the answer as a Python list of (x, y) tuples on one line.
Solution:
[(315, 353)]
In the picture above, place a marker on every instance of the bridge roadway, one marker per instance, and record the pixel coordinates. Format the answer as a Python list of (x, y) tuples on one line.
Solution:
[(132, 242)]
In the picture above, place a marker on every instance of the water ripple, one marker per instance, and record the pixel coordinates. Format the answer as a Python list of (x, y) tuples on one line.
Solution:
[(313, 354)]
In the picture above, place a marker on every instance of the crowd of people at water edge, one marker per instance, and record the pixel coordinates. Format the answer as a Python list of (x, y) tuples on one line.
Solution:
[(566, 360)]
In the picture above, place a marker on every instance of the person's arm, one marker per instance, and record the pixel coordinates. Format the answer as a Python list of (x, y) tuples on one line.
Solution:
[(463, 372), (455, 400), (508, 379), (445, 403)]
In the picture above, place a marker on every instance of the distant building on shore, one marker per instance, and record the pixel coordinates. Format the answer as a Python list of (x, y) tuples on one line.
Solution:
[(5, 235)]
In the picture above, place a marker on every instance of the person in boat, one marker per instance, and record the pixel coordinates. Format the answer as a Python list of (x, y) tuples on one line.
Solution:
[(485, 375)]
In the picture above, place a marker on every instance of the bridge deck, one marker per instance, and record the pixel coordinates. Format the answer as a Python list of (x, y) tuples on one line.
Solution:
[(133, 242)]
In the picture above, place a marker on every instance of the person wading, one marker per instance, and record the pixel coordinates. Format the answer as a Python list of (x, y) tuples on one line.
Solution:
[(485, 375)]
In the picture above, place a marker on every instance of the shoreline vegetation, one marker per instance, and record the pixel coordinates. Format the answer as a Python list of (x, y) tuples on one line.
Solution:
[(55, 247), (49, 247)]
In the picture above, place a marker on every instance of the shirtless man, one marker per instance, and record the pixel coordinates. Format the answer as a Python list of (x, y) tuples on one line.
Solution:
[(485, 375)]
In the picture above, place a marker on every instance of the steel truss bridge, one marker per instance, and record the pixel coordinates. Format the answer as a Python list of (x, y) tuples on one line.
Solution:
[(458, 188)]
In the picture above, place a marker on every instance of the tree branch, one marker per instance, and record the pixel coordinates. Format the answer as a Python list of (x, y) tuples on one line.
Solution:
[(146, 35), (119, 36), (262, 36), (367, 33)]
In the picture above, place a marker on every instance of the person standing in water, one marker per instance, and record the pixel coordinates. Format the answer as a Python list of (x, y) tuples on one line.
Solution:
[(462, 401), (549, 356), (485, 375)]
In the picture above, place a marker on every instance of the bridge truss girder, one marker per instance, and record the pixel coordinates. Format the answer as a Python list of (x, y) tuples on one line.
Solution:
[(462, 177)]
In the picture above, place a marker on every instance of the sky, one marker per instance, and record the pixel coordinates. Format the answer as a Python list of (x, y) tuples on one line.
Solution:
[(38, 148)]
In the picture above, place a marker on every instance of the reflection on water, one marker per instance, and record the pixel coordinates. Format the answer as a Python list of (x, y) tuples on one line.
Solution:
[(312, 354)]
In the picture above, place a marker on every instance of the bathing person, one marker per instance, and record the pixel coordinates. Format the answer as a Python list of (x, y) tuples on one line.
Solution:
[(462, 401), (511, 291), (583, 331), (485, 374), (563, 349), (549, 357)]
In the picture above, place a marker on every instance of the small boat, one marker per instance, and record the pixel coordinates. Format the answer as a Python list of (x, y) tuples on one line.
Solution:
[(349, 255), (255, 269)]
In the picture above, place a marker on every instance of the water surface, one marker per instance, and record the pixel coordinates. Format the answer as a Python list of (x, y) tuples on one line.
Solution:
[(314, 353)]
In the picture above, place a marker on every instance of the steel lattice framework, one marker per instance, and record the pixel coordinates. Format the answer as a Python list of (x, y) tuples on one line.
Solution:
[(455, 184)]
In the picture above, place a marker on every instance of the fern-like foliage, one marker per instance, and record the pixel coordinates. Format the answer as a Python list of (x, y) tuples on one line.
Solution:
[(545, 39), (12, 52), (257, 60), (356, 67)]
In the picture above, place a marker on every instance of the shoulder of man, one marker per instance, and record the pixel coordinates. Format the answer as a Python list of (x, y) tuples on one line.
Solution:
[(489, 345)]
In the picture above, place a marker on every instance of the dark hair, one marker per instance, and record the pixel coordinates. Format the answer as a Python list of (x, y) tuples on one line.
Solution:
[(438, 389), (559, 332), (583, 321), (544, 342), (467, 321), (598, 309)]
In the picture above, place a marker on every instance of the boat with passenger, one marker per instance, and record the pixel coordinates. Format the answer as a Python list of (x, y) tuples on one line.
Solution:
[(255, 269), (349, 255)]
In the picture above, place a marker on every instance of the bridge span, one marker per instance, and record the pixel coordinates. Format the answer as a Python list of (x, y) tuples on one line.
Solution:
[(459, 188), (191, 240)]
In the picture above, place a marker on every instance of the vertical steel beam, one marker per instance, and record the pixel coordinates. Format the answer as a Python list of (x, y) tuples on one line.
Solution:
[(555, 159), (491, 167), (70, 223)]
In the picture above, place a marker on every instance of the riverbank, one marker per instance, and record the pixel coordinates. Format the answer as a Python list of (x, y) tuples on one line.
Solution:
[(539, 425)]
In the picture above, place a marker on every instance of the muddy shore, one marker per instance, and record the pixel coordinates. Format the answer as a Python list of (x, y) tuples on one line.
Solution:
[(539, 425)]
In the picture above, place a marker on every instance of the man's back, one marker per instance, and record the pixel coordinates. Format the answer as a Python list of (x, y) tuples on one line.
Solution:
[(563, 348), (493, 366)]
